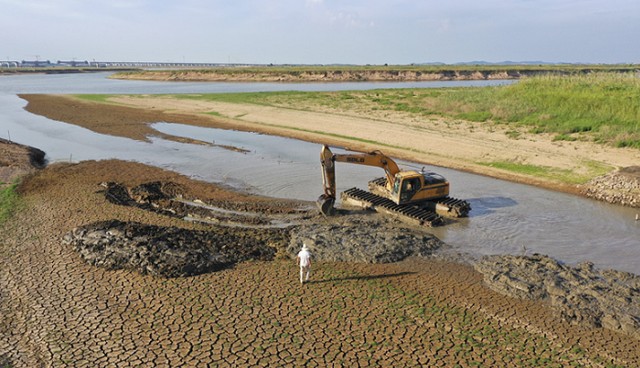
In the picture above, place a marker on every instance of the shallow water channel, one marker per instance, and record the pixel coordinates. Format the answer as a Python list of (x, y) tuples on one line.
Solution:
[(506, 217)]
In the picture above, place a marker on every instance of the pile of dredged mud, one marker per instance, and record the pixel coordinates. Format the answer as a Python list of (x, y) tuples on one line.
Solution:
[(17, 160), (166, 251), (230, 235), (581, 294)]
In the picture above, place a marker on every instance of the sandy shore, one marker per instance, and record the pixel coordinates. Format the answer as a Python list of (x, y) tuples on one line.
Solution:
[(56, 310)]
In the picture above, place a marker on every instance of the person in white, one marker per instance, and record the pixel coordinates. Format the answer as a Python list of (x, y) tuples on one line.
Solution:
[(304, 261)]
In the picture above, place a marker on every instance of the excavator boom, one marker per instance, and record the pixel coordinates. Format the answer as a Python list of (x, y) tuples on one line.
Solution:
[(328, 160), (374, 158)]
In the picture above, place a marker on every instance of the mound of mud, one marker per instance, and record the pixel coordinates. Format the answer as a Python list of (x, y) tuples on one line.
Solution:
[(355, 239), (12, 152), (17, 160), (619, 187), (234, 234), (168, 251), (582, 294), (145, 196), (171, 199)]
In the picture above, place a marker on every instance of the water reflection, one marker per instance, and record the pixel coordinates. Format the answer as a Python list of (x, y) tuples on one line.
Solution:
[(488, 205)]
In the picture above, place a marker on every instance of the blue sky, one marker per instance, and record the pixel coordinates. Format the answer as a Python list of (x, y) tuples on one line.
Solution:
[(322, 31)]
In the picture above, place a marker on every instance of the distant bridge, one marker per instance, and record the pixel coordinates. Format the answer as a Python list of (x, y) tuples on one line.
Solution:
[(110, 64)]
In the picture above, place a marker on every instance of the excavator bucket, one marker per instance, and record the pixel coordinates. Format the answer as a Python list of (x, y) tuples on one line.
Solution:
[(325, 205), (326, 201)]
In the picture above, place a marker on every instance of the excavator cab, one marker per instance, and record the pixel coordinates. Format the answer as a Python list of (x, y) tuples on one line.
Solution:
[(412, 186), (404, 188)]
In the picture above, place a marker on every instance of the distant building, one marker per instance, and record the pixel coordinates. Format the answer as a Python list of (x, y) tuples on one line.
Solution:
[(9, 64), (35, 64), (74, 63)]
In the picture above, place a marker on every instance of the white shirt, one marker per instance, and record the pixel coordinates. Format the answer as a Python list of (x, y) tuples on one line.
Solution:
[(304, 257)]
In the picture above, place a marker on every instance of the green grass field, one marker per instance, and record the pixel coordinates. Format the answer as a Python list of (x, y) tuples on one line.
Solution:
[(9, 201), (603, 107)]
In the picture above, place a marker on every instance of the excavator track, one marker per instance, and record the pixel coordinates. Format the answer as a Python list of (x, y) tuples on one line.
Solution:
[(446, 206), (408, 213), (452, 207)]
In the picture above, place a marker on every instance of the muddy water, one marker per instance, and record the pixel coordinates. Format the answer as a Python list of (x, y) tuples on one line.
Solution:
[(506, 217)]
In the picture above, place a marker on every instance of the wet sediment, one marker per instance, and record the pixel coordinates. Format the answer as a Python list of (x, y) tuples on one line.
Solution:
[(17, 160), (174, 252), (581, 294), (167, 251)]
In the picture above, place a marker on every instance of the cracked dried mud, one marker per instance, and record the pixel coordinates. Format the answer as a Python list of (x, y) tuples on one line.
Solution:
[(57, 310)]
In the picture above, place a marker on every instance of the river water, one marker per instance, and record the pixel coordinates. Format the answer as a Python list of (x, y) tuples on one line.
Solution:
[(506, 218)]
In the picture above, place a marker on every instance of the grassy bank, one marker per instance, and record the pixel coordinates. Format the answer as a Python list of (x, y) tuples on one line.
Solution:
[(600, 107), (9, 201), (591, 169)]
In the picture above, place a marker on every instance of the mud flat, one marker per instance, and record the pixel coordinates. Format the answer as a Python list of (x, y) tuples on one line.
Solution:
[(59, 308), (234, 235)]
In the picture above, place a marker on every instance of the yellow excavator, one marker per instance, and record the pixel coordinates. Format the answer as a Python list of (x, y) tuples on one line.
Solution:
[(419, 197)]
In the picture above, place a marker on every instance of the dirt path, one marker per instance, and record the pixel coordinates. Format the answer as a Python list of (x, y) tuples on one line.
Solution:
[(55, 310)]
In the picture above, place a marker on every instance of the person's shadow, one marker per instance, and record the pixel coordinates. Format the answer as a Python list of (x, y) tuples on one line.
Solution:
[(363, 278)]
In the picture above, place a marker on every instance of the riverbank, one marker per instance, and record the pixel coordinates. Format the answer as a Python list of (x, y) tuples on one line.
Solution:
[(265, 75), (57, 309), (371, 73), (458, 144)]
